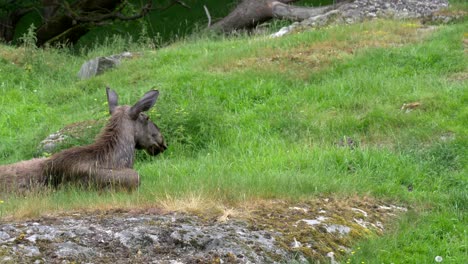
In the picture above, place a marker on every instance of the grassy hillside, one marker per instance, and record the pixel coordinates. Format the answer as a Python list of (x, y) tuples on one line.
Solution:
[(317, 113)]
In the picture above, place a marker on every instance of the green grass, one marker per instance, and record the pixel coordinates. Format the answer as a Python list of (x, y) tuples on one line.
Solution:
[(256, 118)]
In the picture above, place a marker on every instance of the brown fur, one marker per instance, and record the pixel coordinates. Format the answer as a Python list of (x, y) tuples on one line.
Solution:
[(21, 176), (114, 149), (108, 161)]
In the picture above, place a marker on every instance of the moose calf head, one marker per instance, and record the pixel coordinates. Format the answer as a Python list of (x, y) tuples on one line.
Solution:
[(146, 134)]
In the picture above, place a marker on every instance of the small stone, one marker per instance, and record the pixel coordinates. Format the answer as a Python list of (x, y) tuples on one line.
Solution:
[(313, 222), (99, 65), (296, 244), (32, 238), (125, 238), (73, 250), (331, 255), (341, 229), (28, 251), (32, 251), (4, 236), (364, 213)]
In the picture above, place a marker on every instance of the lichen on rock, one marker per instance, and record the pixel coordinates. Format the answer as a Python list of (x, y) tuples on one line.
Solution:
[(266, 232)]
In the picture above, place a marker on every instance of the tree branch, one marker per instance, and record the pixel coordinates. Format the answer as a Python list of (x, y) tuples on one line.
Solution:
[(96, 16), (207, 14), (8, 23), (250, 13), (93, 17)]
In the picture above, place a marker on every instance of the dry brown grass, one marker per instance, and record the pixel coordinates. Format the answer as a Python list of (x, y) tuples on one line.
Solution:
[(15, 56), (303, 59), (192, 203), (461, 76)]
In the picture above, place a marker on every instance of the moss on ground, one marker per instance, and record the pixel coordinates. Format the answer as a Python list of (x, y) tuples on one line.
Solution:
[(365, 217)]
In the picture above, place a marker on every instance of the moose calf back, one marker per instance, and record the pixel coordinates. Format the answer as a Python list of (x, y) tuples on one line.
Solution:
[(21, 176)]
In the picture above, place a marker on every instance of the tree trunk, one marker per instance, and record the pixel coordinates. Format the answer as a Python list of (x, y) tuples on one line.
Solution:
[(250, 13), (246, 15), (297, 13), (64, 27), (8, 24), (66, 21), (58, 29)]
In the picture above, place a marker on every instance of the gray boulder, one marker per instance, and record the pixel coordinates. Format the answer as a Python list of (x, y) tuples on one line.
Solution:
[(99, 65), (80, 133), (360, 10)]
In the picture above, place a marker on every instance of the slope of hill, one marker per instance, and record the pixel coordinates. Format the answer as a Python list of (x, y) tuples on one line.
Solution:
[(376, 109)]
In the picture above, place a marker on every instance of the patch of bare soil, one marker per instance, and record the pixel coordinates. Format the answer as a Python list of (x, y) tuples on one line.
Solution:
[(265, 232)]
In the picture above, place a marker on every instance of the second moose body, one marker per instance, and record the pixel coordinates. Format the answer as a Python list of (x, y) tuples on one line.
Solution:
[(108, 161)]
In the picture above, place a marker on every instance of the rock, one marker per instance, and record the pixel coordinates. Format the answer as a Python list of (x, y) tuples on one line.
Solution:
[(341, 229), (73, 251), (37, 237), (7, 260), (272, 235), (359, 10), (126, 238), (9, 228), (331, 255), (364, 213), (27, 251), (445, 17), (99, 65), (314, 222), (80, 131), (296, 244), (4, 236), (281, 32), (49, 144)]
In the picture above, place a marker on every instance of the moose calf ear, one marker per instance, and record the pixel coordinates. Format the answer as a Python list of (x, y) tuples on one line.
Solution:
[(145, 103), (112, 99)]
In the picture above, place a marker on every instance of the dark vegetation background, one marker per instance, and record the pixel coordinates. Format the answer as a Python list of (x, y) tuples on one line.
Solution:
[(163, 26)]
